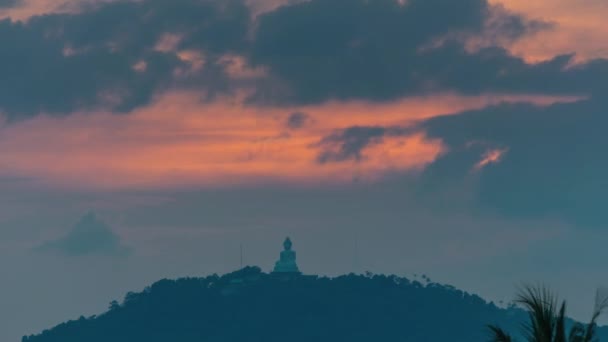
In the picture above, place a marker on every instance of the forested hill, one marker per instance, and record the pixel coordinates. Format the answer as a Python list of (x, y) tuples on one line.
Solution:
[(249, 305)]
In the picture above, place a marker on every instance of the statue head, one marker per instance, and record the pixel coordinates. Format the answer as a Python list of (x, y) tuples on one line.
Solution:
[(287, 244)]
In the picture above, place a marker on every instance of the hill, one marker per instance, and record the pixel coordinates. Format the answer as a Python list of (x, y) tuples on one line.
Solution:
[(249, 305)]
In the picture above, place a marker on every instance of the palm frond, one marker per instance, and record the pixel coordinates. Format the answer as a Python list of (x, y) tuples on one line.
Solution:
[(601, 305), (560, 324), (498, 335), (547, 323), (541, 304)]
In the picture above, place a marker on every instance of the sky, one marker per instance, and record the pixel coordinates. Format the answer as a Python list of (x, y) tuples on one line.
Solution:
[(144, 139)]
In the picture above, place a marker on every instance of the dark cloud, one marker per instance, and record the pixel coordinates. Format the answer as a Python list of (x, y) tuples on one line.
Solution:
[(380, 50), (297, 120), (313, 51), (63, 62), (502, 26), (349, 144), (554, 166), (90, 236), (9, 3)]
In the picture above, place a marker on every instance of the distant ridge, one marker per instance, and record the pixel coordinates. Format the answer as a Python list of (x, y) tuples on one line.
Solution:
[(249, 305)]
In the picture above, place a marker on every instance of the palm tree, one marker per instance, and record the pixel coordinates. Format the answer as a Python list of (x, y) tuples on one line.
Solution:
[(548, 318)]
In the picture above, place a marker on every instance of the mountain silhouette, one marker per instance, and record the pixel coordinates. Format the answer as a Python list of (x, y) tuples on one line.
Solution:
[(249, 305)]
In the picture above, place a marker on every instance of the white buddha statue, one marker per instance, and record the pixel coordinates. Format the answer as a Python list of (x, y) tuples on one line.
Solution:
[(287, 262)]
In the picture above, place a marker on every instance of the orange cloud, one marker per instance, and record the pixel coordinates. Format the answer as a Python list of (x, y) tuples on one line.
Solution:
[(493, 156), (30, 8), (179, 141), (581, 28)]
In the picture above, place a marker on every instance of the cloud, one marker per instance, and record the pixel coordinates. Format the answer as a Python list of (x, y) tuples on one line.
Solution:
[(89, 236), (222, 143), (60, 63), (297, 120), (382, 50), (357, 73), (348, 144), (119, 55), (492, 156), (577, 26), (9, 3), (553, 167)]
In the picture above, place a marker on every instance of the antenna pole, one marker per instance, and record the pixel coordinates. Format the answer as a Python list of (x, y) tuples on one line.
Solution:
[(241, 250), (356, 251)]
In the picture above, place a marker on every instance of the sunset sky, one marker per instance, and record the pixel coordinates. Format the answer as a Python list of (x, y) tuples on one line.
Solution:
[(143, 139)]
